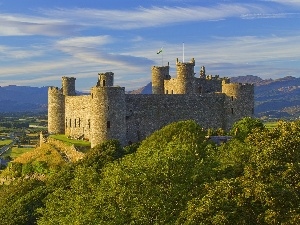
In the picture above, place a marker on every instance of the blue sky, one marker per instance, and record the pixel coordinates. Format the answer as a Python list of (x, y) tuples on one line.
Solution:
[(41, 41)]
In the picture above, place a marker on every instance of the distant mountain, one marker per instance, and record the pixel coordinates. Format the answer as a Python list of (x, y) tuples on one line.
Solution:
[(250, 79), (23, 99), (279, 98), (143, 90)]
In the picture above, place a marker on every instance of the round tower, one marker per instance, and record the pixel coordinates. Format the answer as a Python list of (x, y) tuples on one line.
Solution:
[(185, 77), (159, 75), (56, 111), (239, 101), (68, 86), (108, 112), (105, 79)]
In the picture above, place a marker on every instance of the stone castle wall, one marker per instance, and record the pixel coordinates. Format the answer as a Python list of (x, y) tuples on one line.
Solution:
[(147, 113), (56, 111), (78, 116), (68, 86), (109, 113), (159, 75), (239, 101)]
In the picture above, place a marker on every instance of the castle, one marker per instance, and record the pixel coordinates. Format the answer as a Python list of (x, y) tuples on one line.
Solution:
[(109, 113)]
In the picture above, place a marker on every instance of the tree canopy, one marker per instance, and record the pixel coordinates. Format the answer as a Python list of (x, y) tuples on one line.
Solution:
[(175, 176)]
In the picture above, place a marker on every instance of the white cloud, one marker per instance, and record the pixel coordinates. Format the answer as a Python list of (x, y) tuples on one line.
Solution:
[(8, 53), (20, 25), (287, 2), (151, 17), (63, 21), (86, 41), (90, 49)]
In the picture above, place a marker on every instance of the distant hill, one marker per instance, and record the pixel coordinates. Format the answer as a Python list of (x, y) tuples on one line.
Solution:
[(250, 79), (278, 98), (23, 99)]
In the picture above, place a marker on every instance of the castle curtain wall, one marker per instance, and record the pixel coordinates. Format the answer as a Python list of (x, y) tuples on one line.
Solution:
[(77, 116), (147, 113)]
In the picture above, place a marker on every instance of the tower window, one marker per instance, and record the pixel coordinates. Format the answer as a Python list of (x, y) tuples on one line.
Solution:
[(103, 83), (78, 122), (66, 122), (172, 92), (108, 124), (70, 121), (231, 110), (75, 123), (89, 123), (167, 92), (231, 98)]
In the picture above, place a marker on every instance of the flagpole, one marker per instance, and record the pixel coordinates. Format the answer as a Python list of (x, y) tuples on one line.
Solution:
[(162, 55)]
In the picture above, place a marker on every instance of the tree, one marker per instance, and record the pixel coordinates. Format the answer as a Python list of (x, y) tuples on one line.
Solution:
[(242, 128), (20, 200), (265, 191), (73, 200), (153, 185)]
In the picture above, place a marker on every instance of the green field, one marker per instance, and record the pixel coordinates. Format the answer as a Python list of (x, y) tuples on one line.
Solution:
[(270, 125), (65, 139), (5, 142), (15, 152)]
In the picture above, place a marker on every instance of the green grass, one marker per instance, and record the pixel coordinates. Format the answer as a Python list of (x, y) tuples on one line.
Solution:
[(78, 143), (15, 152), (270, 125), (5, 142)]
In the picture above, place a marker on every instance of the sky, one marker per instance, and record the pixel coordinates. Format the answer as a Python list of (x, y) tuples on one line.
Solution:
[(42, 41)]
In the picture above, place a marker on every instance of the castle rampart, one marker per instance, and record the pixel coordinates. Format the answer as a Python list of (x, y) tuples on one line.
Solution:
[(108, 113), (105, 79), (78, 116)]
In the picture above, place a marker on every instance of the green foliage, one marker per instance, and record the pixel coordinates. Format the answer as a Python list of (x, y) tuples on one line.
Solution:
[(153, 185), (129, 149), (265, 183), (242, 128), (76, 187), (175, 176), (20, 200), (103, 153)]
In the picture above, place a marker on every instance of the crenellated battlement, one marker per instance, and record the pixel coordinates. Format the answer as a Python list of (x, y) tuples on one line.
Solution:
[(105, 79), (68, 86), (109, 113)]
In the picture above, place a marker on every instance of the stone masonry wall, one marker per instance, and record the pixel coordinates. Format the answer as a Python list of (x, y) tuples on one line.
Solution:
[(159, 74), (108, 114), (56, 111), (239, 101), (68, 151), (147, 113), (78, 116)]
